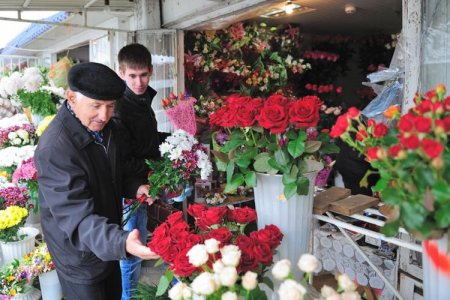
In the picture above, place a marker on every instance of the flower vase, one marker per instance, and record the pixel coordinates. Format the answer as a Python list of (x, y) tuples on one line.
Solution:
[(15, 250), (31, 294), (293, 216), (436, 269), (50, 286)]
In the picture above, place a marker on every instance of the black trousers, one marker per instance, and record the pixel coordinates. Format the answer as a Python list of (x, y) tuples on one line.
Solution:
[(109, 288)]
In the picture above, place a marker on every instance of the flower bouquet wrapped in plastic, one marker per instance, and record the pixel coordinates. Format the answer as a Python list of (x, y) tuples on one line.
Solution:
[(180, 111)]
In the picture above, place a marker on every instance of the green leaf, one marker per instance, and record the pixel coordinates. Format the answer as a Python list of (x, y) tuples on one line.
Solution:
[(232, 144), (267, 281), (391, 196), (230, 171), (441, 192), (287, 178), (257, 294), (296, 147), (281, 157), (220, 156), (329, 148), (312, 146), (425, 175), (442, 216), (234, 183), (412, 214), (250, 179), (159, 262), (164, 283), (390, 229), (273, 163), (261, 163), (303, 186), (290, 190), (380, 186), (243, 162)]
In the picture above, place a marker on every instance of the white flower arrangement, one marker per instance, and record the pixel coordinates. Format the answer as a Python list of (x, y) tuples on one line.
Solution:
[(13, 156), (17, 119)]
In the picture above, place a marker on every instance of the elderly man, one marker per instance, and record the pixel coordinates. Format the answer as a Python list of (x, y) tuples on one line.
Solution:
[(81, 184)]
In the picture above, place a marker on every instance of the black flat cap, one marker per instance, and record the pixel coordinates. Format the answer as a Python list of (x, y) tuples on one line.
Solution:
[(96, 81)]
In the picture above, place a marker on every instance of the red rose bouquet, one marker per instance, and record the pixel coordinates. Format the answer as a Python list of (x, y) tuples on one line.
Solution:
[(276, 135), (412, 159), (217, 246)]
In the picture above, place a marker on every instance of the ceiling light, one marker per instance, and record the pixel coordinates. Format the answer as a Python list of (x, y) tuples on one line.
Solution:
[(289, 7)]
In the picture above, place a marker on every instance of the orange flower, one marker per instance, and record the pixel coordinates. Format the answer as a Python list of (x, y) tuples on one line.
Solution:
[(392, 111)]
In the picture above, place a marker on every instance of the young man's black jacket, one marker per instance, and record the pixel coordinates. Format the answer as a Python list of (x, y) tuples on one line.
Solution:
[(139, 136)]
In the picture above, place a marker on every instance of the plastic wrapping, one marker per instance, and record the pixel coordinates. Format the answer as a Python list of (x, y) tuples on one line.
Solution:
[(388, 85)]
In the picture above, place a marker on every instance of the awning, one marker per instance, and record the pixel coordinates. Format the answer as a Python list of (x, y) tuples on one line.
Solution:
[(72, 5)]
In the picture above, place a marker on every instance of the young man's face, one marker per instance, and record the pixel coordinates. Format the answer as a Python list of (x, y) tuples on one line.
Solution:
[(137, 79), (94, 114)]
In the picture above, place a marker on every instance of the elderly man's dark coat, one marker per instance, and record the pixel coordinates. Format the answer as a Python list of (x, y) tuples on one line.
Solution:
[(81, 183)]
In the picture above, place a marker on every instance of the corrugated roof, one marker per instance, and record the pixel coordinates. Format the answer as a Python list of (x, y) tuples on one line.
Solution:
[(32, 32)]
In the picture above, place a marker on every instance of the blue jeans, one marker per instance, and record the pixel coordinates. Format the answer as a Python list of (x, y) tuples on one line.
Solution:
[(131, 267)]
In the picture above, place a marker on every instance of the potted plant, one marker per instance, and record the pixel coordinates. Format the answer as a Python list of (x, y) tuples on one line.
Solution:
[(15, 240), (412, 158)]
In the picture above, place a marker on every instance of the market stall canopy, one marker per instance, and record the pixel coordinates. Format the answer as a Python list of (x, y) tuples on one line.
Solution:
[(73, 5)]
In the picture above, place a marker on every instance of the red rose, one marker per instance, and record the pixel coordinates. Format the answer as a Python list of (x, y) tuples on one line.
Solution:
[(305, 112), (274, 117), (242, 215), (394, 150), (246, 115), (193, 239), (222, 234), (179, 238), (353, 112), (263, 253), (214, 215), (160, 232), (196, 210), (423, 124), (380, 130), (244, 242), (216, 117), (174, 218), (247, 262), (432, 148), (423, 107), (406, 123), (361, 135), (229, 117), (181, 265), (236, 100), (340, 127), (412, 142), (276, 99), (270, 235), (372, 153), (161, 247), (447, 103), (179, 227)]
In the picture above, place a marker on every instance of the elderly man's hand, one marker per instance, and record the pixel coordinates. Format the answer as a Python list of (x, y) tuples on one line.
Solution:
[(142, 194), (135, 247)]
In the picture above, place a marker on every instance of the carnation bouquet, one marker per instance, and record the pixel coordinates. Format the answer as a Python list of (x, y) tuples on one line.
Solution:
[(212, 258), (412, 159), (26, 174), (275, 136), (11, 219)]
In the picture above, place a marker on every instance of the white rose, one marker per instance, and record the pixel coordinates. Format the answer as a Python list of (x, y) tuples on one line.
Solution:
[(327, 291), (212, 246), (291, 290), (250, 280), (218, 266), (228, 276), (176, 292), (307, 263), (231, 255), (229, 296), (345, 283), (204, 284), (198, 255), (350, 296), (198, 297), (16, 141), (12, 135), (281, 269), (187, 293)]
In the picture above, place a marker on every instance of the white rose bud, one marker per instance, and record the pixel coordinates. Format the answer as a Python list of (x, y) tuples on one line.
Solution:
[(350, 296), (204, 284), (345, 283), (212, 246), (198, 255), (307, 263), (218, 266), (228, 276), (176, 292), (231, 255), (327, 291), (23, 134), (250, 280), (229, 296), (281, 269), (291, 290)]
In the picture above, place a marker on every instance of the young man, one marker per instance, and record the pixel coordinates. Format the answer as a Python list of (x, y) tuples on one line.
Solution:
[(140, 138), (81, 185)]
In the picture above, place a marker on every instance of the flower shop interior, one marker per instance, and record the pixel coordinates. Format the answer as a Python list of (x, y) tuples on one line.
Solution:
[(318, 130)]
